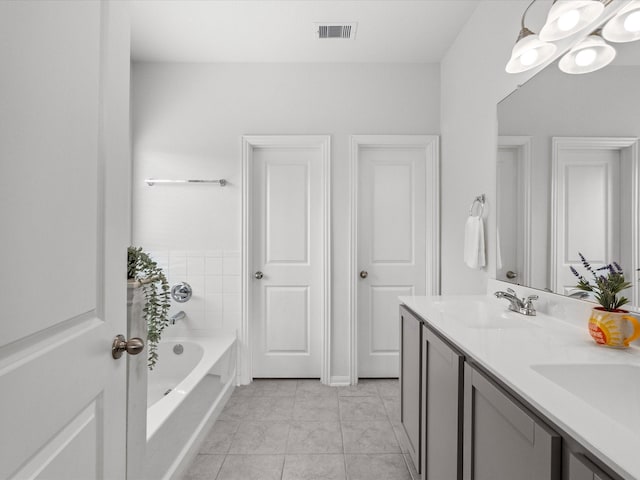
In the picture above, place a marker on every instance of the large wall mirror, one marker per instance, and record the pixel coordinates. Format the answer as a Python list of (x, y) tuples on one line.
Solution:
[(568, 175)]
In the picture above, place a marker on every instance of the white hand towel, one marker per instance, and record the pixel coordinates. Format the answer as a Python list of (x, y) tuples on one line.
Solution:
[(474, 255)]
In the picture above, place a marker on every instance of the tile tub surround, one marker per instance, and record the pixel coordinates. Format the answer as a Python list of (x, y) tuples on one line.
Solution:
[(301, 429), (515, 349), (214, 276)]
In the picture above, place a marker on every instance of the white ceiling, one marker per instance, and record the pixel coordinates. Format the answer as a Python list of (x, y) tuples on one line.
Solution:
[(283, 31)]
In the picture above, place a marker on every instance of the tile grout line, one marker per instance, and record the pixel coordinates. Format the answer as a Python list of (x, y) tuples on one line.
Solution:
[(284, 461), (344, 454), (286, 444)]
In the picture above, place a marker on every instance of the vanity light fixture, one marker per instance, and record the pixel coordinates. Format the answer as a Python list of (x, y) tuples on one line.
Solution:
[(591, 54), (625, 26), (567, 17), (529, 51)]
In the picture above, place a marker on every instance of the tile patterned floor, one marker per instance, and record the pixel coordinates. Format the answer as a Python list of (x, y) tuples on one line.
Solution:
[(303, 430)]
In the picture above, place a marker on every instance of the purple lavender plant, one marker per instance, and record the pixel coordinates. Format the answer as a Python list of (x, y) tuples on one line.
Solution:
[(606, 286)]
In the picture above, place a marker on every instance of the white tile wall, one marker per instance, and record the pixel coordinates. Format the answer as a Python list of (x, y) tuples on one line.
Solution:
[(214, 276)]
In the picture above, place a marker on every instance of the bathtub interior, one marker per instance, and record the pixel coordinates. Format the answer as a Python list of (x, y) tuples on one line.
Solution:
[(176, 359), (178, 421)]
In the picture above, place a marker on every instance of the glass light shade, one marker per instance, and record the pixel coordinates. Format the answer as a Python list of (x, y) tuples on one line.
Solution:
[(529, 52), (591, 54), (625, 26), (567, 17)]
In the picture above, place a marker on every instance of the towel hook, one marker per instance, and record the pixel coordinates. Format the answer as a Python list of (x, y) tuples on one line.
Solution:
[(479, 199)]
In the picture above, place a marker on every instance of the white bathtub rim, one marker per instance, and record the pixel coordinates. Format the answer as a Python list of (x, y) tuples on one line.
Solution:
[(213, 350)]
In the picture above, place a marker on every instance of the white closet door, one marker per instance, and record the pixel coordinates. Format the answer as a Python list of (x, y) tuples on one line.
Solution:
[(288, 271), (391, 249)]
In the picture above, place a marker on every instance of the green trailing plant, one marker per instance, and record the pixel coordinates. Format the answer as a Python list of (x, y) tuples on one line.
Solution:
[(607, 283), (155, 288)]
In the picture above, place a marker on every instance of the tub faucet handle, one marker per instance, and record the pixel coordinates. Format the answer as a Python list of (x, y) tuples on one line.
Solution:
[(181, 292)]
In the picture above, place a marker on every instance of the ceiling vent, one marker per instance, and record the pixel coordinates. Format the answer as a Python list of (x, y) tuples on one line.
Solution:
[(342, 30)]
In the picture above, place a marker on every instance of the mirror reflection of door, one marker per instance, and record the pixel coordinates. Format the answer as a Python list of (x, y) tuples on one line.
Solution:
[(590, 176), (512, 209)]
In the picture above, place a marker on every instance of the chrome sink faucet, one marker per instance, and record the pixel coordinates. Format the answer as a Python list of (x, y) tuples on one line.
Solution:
[(525, 307)]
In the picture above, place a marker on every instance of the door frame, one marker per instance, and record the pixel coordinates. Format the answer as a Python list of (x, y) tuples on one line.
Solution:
[(249, 143), (523, 144), (431, 146), (596, 143)]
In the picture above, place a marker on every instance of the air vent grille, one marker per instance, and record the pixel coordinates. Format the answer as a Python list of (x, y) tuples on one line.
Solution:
[(345, 31)]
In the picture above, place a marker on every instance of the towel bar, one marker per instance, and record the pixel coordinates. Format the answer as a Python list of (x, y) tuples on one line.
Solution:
[(152, 181)]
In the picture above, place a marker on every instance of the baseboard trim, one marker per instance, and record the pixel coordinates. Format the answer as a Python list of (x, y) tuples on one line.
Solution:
[(340, 381)]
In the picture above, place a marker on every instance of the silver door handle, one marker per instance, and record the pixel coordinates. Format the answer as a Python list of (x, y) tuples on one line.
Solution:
[(133, 346), (511, 274), (364, 274), (258, 275)]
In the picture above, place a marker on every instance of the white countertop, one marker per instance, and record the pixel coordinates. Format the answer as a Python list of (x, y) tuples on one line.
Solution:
[(514, 343)]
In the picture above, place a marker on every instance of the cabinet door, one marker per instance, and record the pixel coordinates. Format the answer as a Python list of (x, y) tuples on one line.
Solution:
[(502, 440), (442, 391), (580, 468), (410, 377)]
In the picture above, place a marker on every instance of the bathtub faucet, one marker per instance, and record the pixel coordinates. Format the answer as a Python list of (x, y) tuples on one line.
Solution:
[(178, 316)]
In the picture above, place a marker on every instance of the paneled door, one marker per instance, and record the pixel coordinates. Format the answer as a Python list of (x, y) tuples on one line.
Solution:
[(590, 176), (395, 228), (63, 161), (513, 216), (289, 259)]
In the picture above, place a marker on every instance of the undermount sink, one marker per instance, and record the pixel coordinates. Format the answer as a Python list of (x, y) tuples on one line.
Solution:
[(613, 389), (483, 314)]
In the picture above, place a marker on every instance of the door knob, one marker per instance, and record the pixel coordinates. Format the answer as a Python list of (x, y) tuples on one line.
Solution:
[(511, 274), (133, 346), (258, 275), (364, 274)]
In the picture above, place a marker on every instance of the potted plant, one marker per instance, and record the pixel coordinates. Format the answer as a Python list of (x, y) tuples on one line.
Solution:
[(155, 289), (609, 324)]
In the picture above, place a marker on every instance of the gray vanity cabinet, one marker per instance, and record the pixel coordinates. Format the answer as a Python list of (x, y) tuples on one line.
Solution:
[(580, 468), (502, 440), (410, 382), (442, 391)]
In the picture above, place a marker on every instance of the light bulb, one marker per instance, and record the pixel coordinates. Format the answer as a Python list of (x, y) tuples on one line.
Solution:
[(632, 22), (529, 57), (568, 20), (585, 57)]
